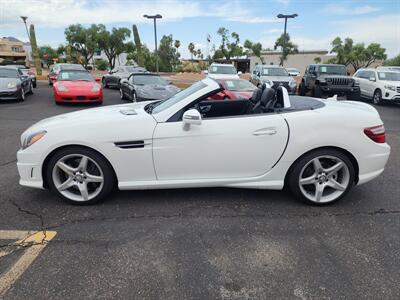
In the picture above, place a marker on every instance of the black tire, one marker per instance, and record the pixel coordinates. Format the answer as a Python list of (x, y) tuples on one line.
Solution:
[(134, 97), (121, 94), (108, 173), (104, 83), (293, 177), (302, 89), (377, 98), (22, 95), (30, 92), (317, 92), (35, 84), (355, 96)]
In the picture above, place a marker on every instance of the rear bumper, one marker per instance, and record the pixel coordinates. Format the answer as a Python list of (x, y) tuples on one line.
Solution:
[(373, 165)]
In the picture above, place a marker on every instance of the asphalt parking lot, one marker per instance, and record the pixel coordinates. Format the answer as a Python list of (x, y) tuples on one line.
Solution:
[(212, 243)]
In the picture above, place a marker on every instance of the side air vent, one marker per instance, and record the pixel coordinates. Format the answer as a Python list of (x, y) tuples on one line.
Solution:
[(130, 144)]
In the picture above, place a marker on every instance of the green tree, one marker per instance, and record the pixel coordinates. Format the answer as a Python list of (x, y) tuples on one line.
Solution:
[(395, 61), (288, 47), (47, 53), (113, 43), (101, 64), (254, 48), (191, 49), (167, 53), (227, 48), (356, 55), (83, 40), (317, 60)]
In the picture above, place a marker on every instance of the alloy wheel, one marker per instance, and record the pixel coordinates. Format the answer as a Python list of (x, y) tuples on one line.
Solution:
[(78, 177), (121, 94), (134, 97), (377, 97), (324, 179)]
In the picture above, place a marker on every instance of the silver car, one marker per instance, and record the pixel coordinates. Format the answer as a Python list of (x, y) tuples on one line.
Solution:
[(273, 76)]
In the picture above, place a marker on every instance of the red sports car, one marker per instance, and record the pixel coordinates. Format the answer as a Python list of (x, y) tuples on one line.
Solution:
[(234, 89), (77, 86)]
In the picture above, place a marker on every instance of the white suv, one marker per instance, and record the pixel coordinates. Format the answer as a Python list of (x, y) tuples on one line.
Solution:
[(225, 71), (379, 84)]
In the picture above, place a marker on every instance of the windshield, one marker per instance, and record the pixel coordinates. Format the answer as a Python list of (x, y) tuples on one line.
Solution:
[(337, 70), (222, 70), (8, 73), (390, 76), (239, 85), (162, 105), (74, 76), (71, 67), (148, 79), (274, 72)]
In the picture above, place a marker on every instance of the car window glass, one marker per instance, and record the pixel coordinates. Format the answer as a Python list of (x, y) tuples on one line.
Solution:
[(390, 76), (322, 69)]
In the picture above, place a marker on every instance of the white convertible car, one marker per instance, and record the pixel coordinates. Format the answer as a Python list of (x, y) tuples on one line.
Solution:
[(318, 148)]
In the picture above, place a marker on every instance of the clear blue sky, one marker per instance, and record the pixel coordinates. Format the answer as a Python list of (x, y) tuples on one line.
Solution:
[(190, 21)]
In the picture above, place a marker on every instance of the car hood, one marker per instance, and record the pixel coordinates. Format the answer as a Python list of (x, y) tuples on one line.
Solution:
[(277, 78), (156, 91), (98, 116), (77, 85), (223, 76), (324, 76), (5, 81)]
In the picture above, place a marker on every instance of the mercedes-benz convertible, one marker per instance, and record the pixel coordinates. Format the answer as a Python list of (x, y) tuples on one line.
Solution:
[(317, 148)]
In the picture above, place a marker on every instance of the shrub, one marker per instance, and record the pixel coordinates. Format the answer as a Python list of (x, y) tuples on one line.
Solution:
[(101, 64)]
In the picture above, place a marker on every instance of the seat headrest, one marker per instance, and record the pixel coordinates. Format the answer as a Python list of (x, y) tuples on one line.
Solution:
[(256, 95), (267, 96)]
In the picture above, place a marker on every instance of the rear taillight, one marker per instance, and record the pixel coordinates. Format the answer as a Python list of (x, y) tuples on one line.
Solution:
[(376, 133)]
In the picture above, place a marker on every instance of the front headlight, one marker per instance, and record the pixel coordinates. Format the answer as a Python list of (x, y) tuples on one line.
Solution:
[(11, 85), (96, 87), (62, 88), (32, 138), (390, 87), (292, 83)]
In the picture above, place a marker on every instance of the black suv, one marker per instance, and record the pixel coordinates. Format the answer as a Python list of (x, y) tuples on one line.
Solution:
[(329, 80)]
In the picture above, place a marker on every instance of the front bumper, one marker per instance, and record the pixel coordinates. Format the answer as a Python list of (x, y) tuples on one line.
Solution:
[(389, 95), (339, 90), (10, 94), (29, 169), (88, 97)]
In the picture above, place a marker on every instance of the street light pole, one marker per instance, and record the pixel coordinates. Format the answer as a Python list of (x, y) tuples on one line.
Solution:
[(26, 27), (155, 17), (281, 16)]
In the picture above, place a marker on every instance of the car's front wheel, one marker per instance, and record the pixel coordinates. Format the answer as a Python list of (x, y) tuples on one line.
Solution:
[(321, 177), (377, 98), (30, 88), (104, 82), (134, 96), (80, 176), (22, 95), (121, 94)]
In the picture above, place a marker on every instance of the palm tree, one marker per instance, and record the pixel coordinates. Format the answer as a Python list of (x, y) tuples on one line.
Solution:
[(177, 44), (191, 50)]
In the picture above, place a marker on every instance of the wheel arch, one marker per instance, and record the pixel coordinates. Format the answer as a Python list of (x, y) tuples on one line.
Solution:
[(54, 151), (344, 151)]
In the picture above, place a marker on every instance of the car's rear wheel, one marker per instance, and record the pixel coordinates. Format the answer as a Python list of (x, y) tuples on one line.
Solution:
[(80, 176), (377, 98), (321, 177)]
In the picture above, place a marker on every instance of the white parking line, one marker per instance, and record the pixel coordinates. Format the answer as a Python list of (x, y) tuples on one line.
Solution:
[(34, 241)]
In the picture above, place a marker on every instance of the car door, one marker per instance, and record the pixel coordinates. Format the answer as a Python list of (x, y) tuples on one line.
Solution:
[(113, 77), (311, 77), (370, 83), (360, 77), (219, 148)]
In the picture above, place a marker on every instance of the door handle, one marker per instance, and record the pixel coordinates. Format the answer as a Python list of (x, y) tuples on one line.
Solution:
[(265, 131)]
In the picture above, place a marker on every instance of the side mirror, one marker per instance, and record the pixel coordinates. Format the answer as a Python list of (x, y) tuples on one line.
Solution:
[(206, 72), (240, 73), (98, 79), (191, 117), (53, 78), (372, 79)]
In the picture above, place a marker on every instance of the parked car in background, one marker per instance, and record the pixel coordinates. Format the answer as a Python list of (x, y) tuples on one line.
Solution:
[(217, 71), (234, 89), (26, 71), (389, 68), (82, 156), (324, 80), (273, 76), (293, 71), (114, 77), (144, 86), (379, 85), (55, 69), (77, 86), (14, 85)]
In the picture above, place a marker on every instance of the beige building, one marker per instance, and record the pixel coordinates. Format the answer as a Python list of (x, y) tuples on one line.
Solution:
[(298, 61), (12, 49)]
